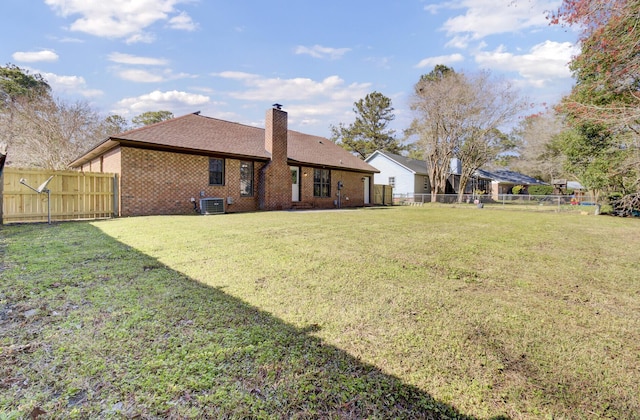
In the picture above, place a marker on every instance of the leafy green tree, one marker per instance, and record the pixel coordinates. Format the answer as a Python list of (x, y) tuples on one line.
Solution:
[(17, 83), (607, 74), (115, 124), (151, 117), (607, 70), (439, 73), (370, 131), (593, 156)]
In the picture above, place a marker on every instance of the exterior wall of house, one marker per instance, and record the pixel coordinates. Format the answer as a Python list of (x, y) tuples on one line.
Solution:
[(351, 194), (155, 182), (421, 184), (107, 163), (111, 161), (405, 180)]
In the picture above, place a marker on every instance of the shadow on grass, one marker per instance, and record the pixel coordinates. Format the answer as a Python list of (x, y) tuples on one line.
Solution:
[(92, 328)]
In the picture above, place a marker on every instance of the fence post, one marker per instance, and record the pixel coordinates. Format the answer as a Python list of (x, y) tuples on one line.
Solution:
[(116, 211)]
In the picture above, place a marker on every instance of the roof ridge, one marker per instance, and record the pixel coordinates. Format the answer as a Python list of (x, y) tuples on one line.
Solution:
[(151, 125), (227, 121)]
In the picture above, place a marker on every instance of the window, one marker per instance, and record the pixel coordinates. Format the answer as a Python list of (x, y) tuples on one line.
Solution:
[(216, 171), (246, 179), (392, 181), (321, 183)]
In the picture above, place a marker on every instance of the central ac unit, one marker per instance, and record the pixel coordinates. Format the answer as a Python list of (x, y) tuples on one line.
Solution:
[(211, 205)]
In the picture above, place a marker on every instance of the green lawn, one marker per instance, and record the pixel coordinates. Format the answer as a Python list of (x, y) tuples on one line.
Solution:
[(403, 312)]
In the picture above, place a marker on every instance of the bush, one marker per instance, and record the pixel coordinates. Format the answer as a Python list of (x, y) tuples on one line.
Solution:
[(540, 190)]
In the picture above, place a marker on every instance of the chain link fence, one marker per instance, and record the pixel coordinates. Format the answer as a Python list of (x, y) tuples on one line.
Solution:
[(520, 201)]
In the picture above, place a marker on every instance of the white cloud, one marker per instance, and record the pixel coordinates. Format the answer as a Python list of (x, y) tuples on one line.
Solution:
[(70, 85), (489, 17), (145, 76), (259, 88), (140, 76), (435, 8), (545, 62), (121, 18), (141, 37), (318, 51), (183, 22), (442, 59), (137, 60), (236, 75), (170, 100), (34, 56)]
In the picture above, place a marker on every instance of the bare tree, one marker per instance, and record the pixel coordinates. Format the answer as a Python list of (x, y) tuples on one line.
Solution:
[(49, 133), (459, 116), (438, 107), (493, 103), (538, 155)]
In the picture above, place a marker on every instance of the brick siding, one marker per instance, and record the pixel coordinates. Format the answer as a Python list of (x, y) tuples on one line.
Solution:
[(352, 193), (154, 182)]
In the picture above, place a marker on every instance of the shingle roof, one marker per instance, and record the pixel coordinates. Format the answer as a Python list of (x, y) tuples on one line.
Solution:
[(417, 166), (506, 176), (197, 133)]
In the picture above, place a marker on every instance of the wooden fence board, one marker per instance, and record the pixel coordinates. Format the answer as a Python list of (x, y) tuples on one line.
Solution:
[(74, 195)]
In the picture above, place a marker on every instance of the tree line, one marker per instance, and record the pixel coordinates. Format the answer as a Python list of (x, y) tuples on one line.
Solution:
[(40, 130)]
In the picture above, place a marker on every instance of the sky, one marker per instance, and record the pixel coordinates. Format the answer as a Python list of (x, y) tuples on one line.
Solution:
[(233, 59)]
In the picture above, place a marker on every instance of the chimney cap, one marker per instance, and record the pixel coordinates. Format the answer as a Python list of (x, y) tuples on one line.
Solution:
[(277, 106)]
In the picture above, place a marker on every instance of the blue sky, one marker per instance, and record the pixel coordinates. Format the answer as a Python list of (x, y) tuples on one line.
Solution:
[(232, 59)]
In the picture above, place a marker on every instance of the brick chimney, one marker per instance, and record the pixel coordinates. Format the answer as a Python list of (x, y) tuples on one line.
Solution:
[(275, 177)]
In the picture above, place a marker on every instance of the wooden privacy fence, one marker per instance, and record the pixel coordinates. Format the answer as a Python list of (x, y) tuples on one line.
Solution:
[(74, 195), (382, 195)]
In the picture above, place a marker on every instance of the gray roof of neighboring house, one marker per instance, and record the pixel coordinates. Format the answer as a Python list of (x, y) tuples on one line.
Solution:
[(575, 185), (417, 166), (509, 177)]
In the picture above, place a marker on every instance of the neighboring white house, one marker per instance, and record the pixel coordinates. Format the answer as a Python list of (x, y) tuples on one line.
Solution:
[(405, 175), (409, 177)]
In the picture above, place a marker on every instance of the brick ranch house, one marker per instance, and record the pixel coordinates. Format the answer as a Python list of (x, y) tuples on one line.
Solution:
[(168, 167)]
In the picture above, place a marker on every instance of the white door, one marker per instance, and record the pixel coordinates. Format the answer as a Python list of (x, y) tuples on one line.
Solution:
[(295, 183), (366, 190)]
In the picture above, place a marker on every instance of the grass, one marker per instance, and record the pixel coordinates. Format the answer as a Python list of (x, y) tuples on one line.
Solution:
[(411, 312)]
